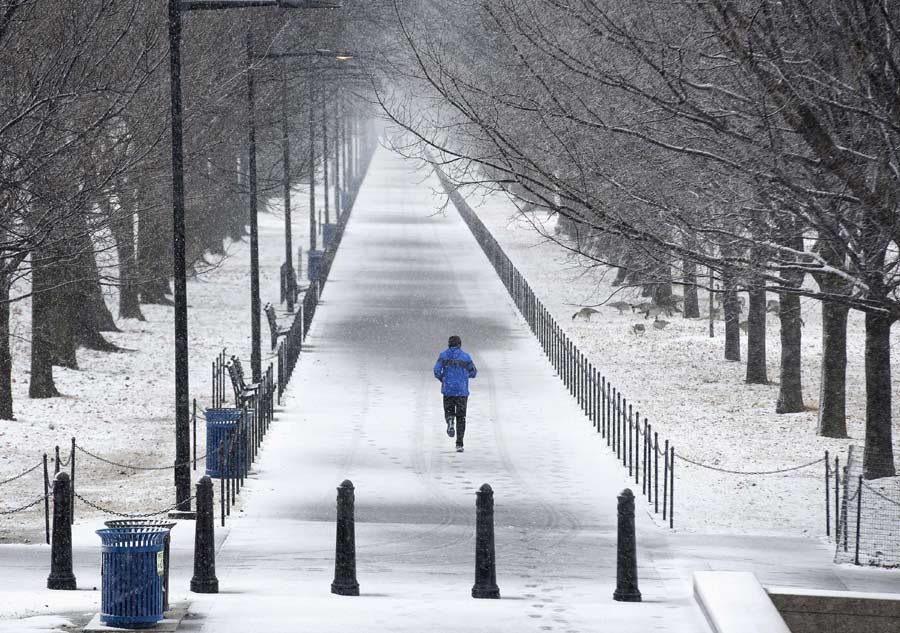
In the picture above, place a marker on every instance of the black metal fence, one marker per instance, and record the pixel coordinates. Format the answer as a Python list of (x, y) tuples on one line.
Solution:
[(866, 515), (649, 459), (289, 349)]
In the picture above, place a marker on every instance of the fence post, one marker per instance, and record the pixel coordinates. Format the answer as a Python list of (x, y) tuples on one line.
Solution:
[(222, 494), (655, 472), (672, 487), (204, 579), (485, 562), (626, 551), (858, 516), (837, 495), (630, 446), (827, 496), (845, 510), (665, 479), (195, 433), (61, 576), (645, 487), (345, 583), (637, 450), (72, 481), (603, 406), (46, 500)]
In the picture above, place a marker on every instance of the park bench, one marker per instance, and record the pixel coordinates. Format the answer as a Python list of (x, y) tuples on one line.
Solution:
[(274, 330), (289, 283), (243, 391)]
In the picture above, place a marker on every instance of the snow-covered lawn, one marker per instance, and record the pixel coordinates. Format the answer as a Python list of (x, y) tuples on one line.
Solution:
[(678, 379), (121, 406)]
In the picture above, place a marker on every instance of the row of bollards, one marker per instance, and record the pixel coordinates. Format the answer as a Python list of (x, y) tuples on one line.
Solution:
[(345, 583)]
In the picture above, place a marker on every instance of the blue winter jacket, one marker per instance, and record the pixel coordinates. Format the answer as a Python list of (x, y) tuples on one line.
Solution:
[(454, 368)]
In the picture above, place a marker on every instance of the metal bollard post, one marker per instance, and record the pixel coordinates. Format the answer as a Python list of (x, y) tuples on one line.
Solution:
[(345, 583), (72, 481), (858, 517), (61, 576), (626, 552), (204, 580), (46, 501), (485, 564)]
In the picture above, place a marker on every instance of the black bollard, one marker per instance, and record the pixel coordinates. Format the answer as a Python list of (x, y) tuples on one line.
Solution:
[(485, 567), (204, 580), (61, 576), (345, 583), (626, 556)]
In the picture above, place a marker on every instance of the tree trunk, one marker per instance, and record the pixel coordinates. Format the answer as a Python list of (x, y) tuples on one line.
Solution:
[(833, 383), (122, 226), (756, 336), (89, 314), (790, 394), (6, 397), (662, 286), (691, 300), (43, 336), (152, 256), (621, 274), (94, 314), (731, 308), (878, 459)]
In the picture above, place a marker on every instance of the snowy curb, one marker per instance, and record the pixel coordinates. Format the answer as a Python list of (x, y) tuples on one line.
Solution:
[(735, 602)]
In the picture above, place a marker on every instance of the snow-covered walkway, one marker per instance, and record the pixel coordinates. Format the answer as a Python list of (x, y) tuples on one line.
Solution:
[(363, 405)]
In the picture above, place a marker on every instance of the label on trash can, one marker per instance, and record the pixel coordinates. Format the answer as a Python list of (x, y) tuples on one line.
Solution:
[(160, 566)]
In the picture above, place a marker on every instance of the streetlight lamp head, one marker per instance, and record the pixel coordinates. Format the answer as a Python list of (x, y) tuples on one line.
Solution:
[(309, 4), (338, 55)]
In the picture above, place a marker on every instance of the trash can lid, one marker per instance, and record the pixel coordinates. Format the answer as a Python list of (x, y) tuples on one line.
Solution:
[(133, 537), (121, 523)]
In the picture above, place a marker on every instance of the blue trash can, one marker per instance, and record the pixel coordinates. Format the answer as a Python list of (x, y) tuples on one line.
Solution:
[(328, 233), (156, 523), (132, 571), (314, 259), (221, 426)]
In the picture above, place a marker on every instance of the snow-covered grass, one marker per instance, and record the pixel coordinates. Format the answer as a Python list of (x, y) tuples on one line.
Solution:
[(678, 379), (121, 406)]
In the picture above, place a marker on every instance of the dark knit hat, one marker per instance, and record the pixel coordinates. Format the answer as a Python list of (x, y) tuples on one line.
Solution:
[(454, 341)]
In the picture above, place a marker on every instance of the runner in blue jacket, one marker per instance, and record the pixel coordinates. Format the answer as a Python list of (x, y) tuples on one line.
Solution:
[(454, 368)]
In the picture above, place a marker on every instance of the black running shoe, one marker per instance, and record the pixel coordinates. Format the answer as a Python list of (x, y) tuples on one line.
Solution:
[(450, 430), (459, 449)]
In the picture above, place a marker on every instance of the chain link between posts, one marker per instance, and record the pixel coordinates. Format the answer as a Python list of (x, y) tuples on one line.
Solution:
[(24, 507), (142, 515), (877, 493), (120, 465), (751, 472), (22, 474)]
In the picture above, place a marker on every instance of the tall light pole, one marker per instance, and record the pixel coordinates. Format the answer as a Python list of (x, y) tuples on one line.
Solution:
[(182, 413), (286, 174), (255, 351), (182, 470), (286, 177)]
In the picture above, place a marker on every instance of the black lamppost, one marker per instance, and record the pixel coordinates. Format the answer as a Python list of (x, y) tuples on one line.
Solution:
[(182, 390)]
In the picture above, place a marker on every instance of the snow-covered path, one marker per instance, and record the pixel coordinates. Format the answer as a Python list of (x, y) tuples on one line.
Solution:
[(363, 405)]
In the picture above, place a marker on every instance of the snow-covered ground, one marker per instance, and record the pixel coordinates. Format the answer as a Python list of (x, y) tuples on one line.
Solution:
[(120, 406), (363, 405), (678, 379)]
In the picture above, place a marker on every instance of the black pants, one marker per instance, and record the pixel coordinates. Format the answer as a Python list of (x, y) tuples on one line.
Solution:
[(455, 407)]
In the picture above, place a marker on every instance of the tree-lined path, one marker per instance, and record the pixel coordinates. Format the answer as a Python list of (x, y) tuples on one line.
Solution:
[(363, 405)]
